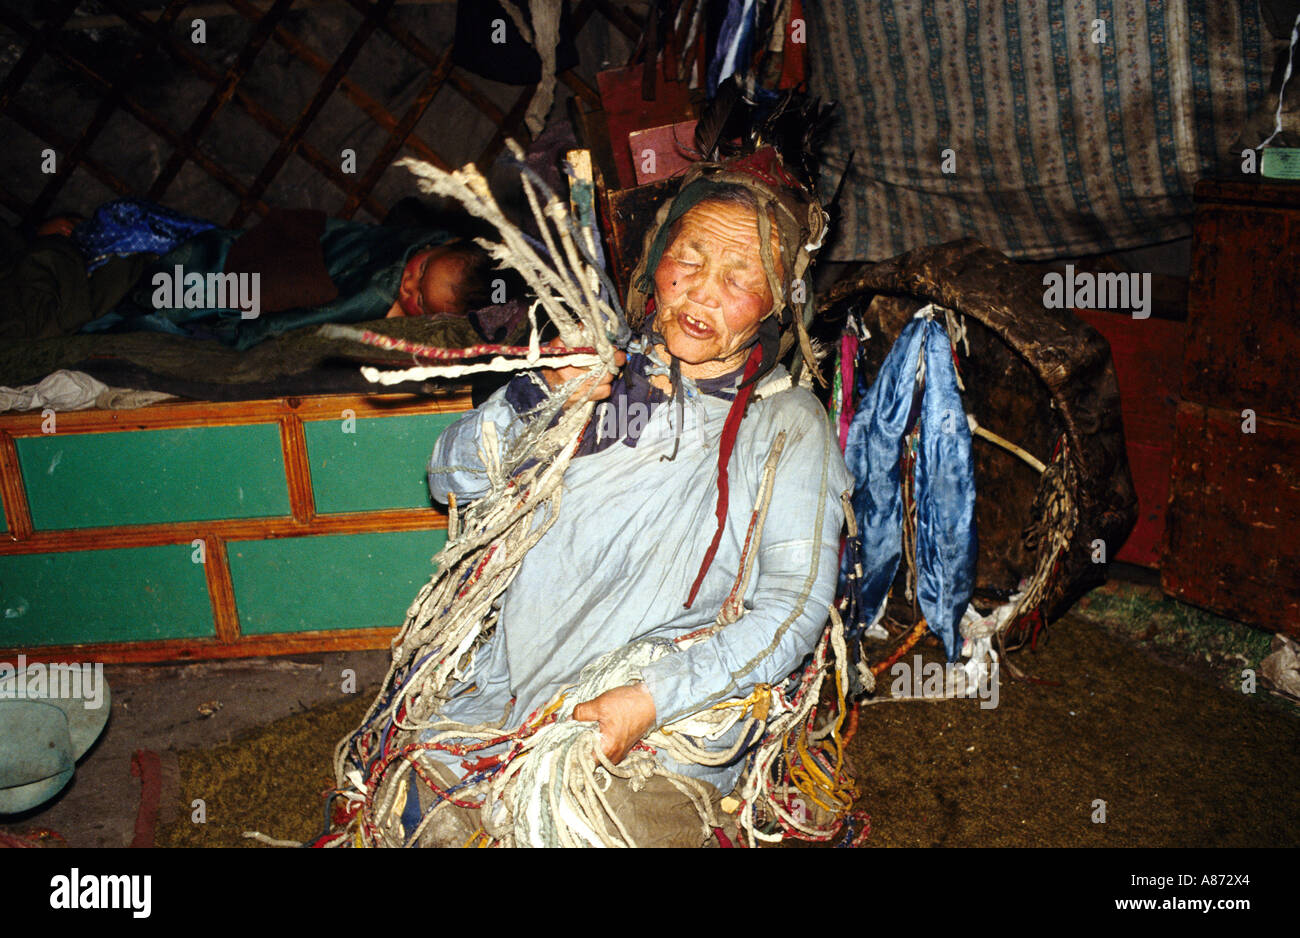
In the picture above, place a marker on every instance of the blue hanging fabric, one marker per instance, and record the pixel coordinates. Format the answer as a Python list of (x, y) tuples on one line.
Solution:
[(732, 52), (944, 479), (872, 453)]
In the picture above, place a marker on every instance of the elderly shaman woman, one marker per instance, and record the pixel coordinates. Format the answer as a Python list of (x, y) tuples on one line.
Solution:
[(648, 543)]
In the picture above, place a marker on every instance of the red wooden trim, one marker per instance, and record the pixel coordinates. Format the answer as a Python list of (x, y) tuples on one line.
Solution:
[(221, 591), (201, 649), (248, 529), (288, 413), (18, 516), (183, 414), (1277, 195), (293, 445)]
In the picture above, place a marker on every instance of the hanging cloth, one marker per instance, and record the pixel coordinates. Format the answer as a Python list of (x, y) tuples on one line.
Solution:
[(735, 42), (944, 478)]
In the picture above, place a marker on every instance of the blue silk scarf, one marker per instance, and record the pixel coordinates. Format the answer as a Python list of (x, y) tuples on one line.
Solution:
[(944, 479)]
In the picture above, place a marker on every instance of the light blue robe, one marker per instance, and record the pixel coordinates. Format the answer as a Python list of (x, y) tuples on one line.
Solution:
[(618, 564)]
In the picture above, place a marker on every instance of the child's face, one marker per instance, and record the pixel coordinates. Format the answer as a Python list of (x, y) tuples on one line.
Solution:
[(431, 281)]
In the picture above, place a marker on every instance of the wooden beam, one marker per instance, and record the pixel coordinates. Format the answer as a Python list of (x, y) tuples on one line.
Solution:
[(218, 98), (200, 649), (33, 52), (581, 14), (12, 202), (182, 414), (580, 87), (622, 20), (18, 516), (394, 142), (108, 106), (475, 97), (290, 141), (354, 93), (221, 589), (403, 36), (413, 44), (507, 129), (240, 529), (297, 467), (245, 101), (156, 124), (48, 134)]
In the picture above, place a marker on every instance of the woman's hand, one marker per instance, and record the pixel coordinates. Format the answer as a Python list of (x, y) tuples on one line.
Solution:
[(625, 714), (557, 376)]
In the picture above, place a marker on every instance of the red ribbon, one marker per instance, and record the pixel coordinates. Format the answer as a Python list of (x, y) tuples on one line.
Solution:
[(729, 431)]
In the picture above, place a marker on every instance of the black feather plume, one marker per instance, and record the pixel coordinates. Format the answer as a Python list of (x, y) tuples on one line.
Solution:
[(743, 117), (713, 120)]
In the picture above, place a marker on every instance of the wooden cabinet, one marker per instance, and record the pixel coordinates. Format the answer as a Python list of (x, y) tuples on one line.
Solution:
[(205, 530), (1231, 540)]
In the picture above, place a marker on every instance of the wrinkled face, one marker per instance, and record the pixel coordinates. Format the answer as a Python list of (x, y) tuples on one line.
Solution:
[(430, 282), (710, 289)]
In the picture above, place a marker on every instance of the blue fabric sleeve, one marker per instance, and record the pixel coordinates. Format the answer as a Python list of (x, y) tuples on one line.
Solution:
[(794, 583), (456, 465)]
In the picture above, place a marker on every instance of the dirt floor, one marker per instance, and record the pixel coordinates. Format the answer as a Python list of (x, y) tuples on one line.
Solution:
[(1177, 760), (1136, 702)]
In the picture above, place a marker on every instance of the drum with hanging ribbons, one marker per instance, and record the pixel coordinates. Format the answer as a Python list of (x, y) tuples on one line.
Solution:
[(1036, 380)]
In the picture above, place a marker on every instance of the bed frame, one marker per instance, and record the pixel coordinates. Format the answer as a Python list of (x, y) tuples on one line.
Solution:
[(216, 530)]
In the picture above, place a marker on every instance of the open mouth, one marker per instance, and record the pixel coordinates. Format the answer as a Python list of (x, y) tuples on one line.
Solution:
[(694, 327)]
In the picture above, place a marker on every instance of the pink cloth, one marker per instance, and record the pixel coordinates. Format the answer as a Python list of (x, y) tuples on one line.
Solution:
[(848, 357)]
